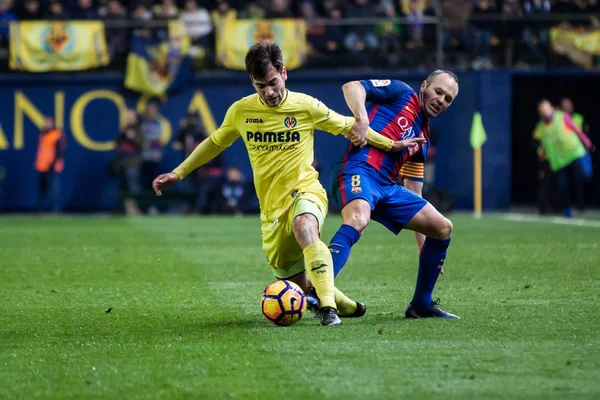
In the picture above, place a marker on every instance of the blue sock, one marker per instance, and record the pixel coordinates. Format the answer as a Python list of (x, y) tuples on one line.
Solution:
[(432, 257), (340, 246)]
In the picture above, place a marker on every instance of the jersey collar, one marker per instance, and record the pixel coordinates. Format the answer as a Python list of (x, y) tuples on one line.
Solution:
[(285, 97)]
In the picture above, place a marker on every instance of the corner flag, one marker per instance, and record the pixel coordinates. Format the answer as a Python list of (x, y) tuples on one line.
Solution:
[(478, 138)]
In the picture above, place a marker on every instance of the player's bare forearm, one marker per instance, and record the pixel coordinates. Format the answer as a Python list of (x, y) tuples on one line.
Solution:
[(356, 96), (417, 188)]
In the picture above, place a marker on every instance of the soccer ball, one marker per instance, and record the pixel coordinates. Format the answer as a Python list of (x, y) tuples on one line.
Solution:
[(283, 303)]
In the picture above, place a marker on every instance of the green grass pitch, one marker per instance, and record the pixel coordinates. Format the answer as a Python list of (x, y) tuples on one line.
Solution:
[(185, 321)]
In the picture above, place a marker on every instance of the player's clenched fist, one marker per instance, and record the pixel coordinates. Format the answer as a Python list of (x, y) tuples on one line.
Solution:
[(163, 181), (359, 132)]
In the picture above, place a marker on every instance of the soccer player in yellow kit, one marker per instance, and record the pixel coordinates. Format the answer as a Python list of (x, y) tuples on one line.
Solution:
[(277, 127)]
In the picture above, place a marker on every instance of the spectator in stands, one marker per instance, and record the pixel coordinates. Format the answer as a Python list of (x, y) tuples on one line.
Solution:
[(315, 30), (167, 9), (280, 9), (31, 10), (152, 148), (510, 28), (6, 17), (164, 12), (205, 181), (85, 10), (127, 164), (141, 14), (389, 34), (49, 163), (454, 22), (116, 29), (102, 6), (56, 10), (222, 13), (197, 23), (334, 36), (482, 32), (253, 10), (414, 11), (535, 34), (328, 5), (360, 38), (233, 190)]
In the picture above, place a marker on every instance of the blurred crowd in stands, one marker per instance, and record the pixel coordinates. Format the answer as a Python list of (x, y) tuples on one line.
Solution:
[(211, 189), (392, 33)]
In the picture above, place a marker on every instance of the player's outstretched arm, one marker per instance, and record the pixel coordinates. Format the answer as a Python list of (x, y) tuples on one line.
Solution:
[(206, 151), (203, 153)]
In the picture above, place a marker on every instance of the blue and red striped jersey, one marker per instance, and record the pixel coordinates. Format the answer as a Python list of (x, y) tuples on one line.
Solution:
[(395, 112)]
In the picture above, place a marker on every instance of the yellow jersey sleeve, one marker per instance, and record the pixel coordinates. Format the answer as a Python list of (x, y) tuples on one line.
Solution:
[(376, 139), (227, 132), (325, 119)]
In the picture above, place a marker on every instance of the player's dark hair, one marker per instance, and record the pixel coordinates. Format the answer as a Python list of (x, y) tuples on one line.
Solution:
[(439, 72), (261, 57)]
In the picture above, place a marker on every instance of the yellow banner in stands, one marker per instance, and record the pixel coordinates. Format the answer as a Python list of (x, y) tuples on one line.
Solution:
[(235, 37), (42, 46)]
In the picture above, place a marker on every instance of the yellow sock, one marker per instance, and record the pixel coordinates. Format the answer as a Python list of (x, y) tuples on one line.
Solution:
[(319, 267), (345, 305)]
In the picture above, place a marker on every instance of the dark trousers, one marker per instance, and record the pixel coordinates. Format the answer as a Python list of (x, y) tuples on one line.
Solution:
[(49, 187), (571, 176)]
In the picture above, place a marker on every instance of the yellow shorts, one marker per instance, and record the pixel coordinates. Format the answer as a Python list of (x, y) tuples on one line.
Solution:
[(279, 243)]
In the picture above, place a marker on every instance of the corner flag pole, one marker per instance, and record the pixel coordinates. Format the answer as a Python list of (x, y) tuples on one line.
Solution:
[(477, 139), (477, 195)]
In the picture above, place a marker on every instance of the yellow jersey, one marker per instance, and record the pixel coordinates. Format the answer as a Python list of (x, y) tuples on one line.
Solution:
[(280, 144)]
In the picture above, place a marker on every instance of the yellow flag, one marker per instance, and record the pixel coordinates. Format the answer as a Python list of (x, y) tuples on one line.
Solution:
[(478, 135), (42, 46), (154, 67)]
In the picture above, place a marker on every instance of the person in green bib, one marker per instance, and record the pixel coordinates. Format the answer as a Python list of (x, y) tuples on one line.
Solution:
[(566, 148)]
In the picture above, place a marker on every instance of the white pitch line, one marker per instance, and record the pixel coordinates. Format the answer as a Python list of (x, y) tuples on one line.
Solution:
[(552, 220)]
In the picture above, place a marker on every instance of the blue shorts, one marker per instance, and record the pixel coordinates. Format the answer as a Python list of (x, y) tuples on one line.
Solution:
[(392, 205)]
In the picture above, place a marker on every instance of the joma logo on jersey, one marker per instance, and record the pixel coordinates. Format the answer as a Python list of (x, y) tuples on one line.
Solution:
[(272, 137), (254, 120), (290, 122)]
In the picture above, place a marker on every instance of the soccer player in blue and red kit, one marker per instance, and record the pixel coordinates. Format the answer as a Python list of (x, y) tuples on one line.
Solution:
[(364, 182)]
